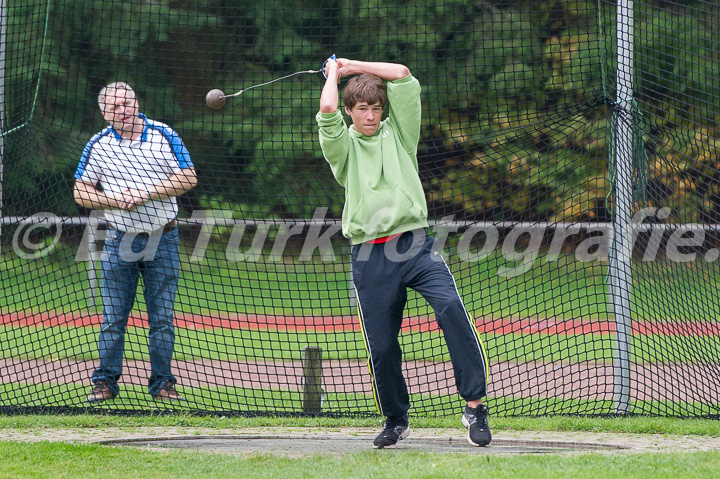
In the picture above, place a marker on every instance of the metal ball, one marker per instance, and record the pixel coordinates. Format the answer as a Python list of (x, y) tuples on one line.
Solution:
[(215, 99)]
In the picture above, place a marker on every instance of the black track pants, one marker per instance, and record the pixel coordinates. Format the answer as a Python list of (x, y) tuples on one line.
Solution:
[(382, 273)]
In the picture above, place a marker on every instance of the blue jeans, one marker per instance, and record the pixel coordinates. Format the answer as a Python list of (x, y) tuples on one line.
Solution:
[(125, 257)]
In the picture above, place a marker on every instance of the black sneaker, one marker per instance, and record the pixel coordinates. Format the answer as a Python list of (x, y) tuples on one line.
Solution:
[(476, 422), (394, 430)]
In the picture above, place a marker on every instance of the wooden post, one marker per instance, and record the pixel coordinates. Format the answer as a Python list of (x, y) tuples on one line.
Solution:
[(312, 391)]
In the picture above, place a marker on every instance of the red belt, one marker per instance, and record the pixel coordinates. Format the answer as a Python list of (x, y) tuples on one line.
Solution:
[(384, 239)]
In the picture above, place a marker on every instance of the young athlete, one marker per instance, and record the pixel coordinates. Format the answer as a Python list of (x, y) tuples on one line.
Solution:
[(385, 216)]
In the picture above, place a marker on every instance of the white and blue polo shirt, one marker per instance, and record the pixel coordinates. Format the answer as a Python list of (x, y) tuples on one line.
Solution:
[(116, 163)]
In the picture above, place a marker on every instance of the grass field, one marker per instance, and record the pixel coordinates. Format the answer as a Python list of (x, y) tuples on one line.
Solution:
[(561, 288), (42, 457), (235, 401), (59, 343)]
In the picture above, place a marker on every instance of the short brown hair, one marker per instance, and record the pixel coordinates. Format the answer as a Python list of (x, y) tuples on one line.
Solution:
[(365, 88)]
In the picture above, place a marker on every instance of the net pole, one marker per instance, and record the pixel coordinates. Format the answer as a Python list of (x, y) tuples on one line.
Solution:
[(3, 42), (620, 266)]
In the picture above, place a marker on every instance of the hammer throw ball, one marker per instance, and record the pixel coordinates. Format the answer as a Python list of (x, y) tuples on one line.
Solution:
[(215, 99)]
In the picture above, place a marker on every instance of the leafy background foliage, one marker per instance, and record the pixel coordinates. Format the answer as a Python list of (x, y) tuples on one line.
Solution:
[(516, 106)]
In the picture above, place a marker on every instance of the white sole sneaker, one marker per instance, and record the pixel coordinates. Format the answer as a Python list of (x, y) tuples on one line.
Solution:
[(467, 426)]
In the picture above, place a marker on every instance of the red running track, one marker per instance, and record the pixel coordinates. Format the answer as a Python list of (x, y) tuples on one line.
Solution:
[(569, 327)]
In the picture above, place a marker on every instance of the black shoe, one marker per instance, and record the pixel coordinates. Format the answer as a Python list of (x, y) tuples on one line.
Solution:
[(476, 422), (394, 429), (100, 392), (168, 393)]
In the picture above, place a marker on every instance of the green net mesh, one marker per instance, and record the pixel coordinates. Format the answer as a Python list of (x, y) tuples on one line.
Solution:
[(569, 153)]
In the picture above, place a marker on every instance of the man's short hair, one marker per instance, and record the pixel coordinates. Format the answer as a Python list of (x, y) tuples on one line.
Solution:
[(110, 88), (366, 88)]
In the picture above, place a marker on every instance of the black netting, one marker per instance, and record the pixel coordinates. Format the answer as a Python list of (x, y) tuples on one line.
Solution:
[(569, 154)]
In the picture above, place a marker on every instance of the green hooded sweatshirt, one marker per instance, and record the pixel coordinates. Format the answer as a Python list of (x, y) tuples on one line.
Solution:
[(383, 193)]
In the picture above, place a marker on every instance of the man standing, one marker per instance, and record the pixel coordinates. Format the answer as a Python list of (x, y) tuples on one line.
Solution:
[(385, 216), (134, 170)]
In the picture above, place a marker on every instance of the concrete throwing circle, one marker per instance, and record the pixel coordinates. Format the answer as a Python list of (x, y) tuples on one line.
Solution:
[(339, 445)]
